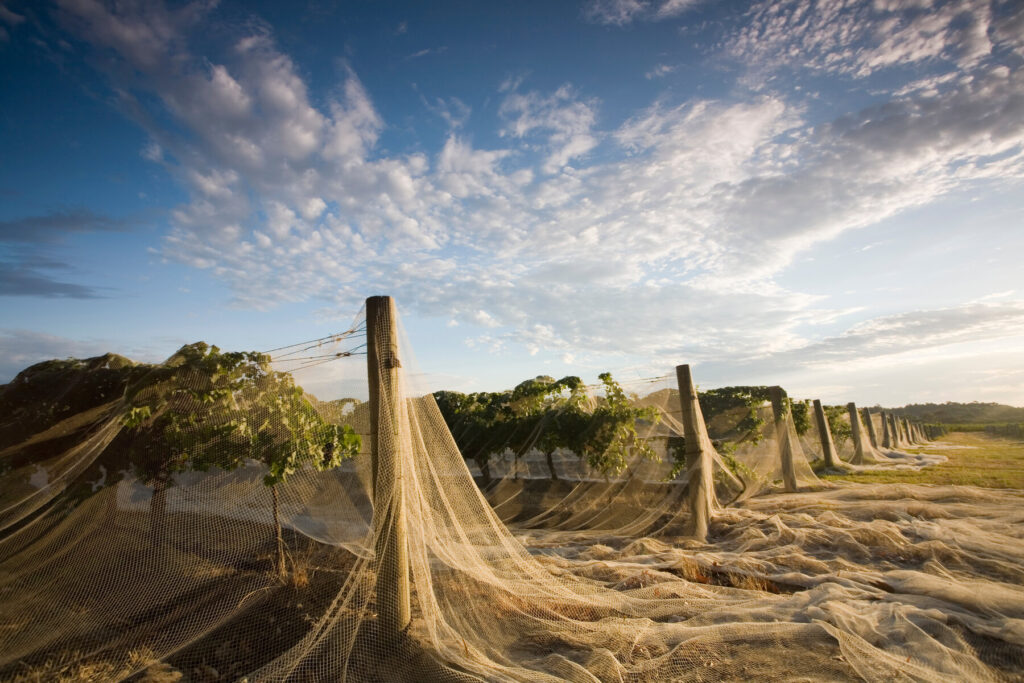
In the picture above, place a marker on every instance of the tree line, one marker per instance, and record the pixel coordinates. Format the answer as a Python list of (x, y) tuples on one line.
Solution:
[(604, 431), (549, 414), (961, 413)]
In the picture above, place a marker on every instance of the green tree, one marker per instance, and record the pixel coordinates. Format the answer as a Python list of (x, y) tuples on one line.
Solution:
[(801, 412), (181, 415), (838, 424), (545, 413), (736, 407), (478, 423), (286, 433), (204, 408), (607, 437)]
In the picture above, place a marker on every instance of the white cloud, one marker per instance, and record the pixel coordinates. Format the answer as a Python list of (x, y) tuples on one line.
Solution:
[(153, 152), (704, 194), (659, 70), (617, 12), (141, 33), (859, 38), (671, 8), (484, 319), (662, 234), (354, 126), (428, 51), (566, 120), (454, 111), (913, 331), (313, 208), (623, 12), (9, 17)]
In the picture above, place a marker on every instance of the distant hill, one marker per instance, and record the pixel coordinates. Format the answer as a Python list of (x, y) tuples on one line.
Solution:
[(962, 413)]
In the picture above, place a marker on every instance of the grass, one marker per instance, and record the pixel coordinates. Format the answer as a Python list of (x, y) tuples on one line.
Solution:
[(982, 460)]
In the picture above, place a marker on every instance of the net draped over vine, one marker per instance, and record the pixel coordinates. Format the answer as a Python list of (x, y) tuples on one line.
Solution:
[(222, 517)]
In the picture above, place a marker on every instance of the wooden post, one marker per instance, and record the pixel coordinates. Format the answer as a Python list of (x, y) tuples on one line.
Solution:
[(894, 432), (391, 546), (857, 435), (886, 434), (870, 424), (780, 411), (699, 463), (908, 431), (828, 447)]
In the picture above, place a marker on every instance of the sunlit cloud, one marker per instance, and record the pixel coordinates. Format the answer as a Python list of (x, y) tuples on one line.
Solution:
[(662, 232)]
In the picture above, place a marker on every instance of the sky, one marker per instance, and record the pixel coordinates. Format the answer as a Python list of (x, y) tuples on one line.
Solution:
[(826, 195)]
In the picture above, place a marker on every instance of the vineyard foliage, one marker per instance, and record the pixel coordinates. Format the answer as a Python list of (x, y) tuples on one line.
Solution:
[(839, 424), (801, 416), (202, 408), (741, 399), (214, 409), (548, 414)]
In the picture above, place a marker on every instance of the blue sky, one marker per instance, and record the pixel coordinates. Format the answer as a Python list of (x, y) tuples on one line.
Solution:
[(823, 195)]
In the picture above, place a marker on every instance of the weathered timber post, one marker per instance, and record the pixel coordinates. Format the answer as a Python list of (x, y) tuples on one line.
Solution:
[(859, 447), (894, 430), (699, 464), (886, 435), (828, 447), (870, 424), (780, 412), (908, 431), (391, 546)]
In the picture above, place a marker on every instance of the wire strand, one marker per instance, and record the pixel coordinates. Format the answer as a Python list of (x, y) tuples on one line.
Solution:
[(336, 337)]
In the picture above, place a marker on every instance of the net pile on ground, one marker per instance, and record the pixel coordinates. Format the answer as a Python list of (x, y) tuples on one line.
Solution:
[(644, 489), (224, 523), (623, 477)]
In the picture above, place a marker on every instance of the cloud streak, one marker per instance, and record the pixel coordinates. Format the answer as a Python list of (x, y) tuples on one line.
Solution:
[(913, 331), (21, 280), (26, 244), (53, 226), (623, 12)]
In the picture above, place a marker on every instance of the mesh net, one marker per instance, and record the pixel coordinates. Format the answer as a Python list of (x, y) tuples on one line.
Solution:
[(309, 516)]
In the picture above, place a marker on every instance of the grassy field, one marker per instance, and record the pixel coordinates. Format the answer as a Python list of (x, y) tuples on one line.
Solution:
[(980, 460)]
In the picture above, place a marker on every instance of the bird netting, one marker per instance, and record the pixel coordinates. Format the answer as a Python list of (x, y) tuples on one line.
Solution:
[(309, 516)]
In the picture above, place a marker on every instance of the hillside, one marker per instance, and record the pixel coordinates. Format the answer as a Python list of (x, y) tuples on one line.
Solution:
[(953, 412)]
